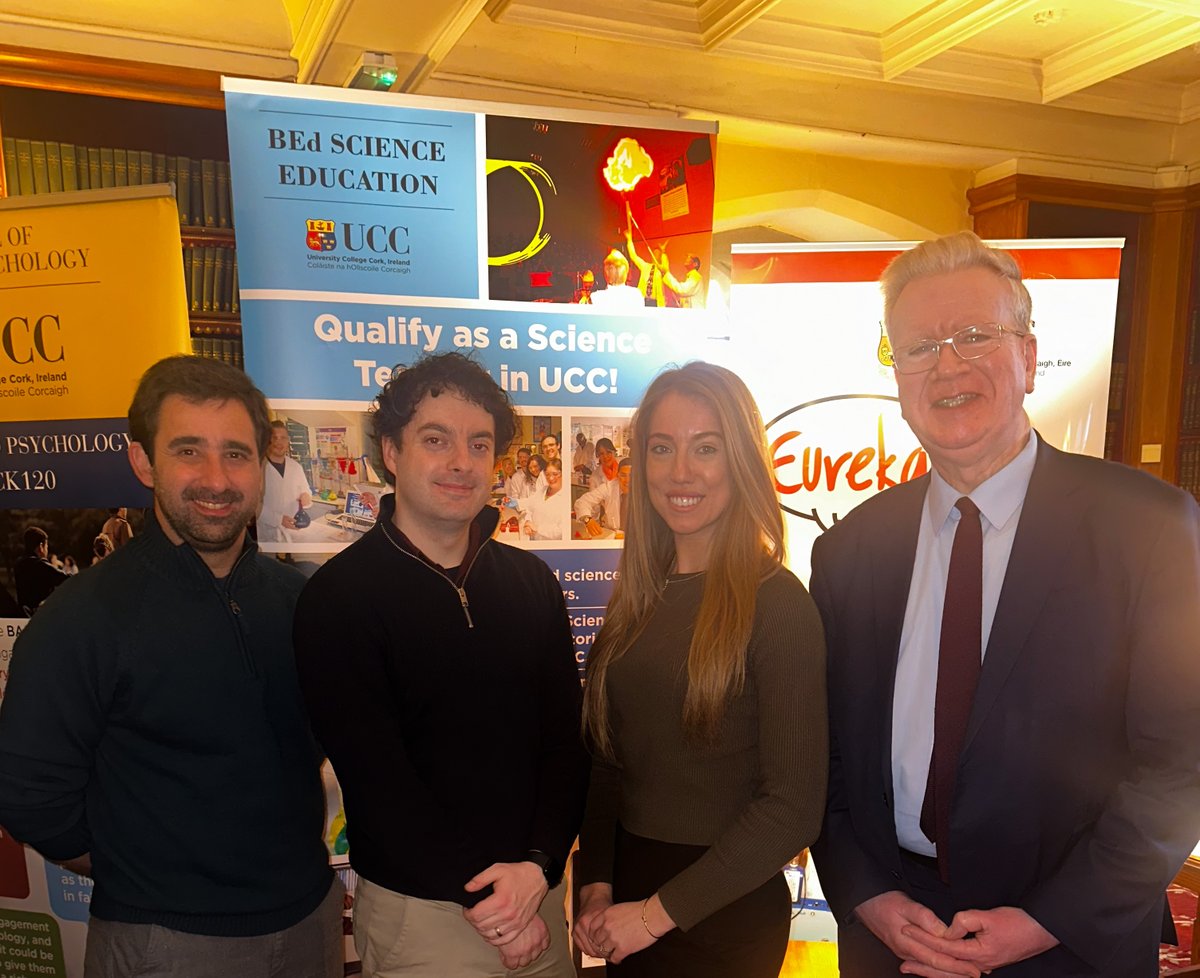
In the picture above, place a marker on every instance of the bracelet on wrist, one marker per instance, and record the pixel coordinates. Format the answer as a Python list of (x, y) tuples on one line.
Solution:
[(646, 924)]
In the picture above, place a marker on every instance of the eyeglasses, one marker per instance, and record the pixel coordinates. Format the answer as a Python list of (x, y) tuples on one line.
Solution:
[(970, 343)]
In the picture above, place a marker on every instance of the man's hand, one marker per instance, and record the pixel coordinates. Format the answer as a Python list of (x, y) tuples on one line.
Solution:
[(894, 919), (997, 938), (288, 523), (80, 865), (527, 946), (517, 892)]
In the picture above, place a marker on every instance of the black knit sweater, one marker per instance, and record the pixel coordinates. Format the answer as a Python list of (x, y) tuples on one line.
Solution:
[(153, 718), (452, 720)]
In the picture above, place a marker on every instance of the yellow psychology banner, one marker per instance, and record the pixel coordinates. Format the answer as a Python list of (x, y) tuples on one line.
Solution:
[(91, 294)]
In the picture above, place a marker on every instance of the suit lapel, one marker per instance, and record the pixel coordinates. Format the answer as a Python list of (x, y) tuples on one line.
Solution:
[(891, 577), (1051, 512)]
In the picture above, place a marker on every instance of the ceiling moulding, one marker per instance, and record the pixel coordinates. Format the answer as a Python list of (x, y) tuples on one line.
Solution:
[(1185, 8), (940, 27), (848, 54), (145, 82), (143, 46), (317, 35), (655, 22), (859, 145), (1152, 101), (1082, 173), (1189, 110), (451, 33), (1134, 44), (722, 19), (455, 85)]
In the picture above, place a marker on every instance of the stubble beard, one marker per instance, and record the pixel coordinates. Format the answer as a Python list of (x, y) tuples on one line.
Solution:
[(204, 534)]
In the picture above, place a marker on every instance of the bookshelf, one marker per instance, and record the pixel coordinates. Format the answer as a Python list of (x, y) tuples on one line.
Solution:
[(54, 140)]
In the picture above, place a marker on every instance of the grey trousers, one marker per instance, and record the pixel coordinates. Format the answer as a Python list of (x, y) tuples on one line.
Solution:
[(312, 948)]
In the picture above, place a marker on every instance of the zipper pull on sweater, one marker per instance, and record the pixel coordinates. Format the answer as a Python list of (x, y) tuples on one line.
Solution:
[(462, 596)]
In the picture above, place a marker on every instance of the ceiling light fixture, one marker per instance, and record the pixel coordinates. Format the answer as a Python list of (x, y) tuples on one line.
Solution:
[(1047, 18), (373, 71)]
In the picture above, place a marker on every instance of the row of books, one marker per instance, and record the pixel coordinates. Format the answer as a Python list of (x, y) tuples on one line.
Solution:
[(216, 348), (210, 275), (1112, 450), (1189, 411), (1189, 468), (1116, 386), (228, 329), (37, 166), (1193, 356)]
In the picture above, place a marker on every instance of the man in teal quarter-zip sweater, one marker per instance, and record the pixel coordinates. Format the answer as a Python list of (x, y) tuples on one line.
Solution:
[(153, 735), (456, 742)]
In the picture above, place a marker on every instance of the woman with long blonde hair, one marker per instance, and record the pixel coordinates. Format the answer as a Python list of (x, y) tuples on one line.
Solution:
[(705, 701)]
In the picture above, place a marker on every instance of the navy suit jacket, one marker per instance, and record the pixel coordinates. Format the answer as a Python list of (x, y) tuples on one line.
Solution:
[(1078, 791)]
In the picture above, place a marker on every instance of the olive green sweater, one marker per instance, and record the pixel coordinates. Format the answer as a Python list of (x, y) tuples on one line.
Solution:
[(755, 797)]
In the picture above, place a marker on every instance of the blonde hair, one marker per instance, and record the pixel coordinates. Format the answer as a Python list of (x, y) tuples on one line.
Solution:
[(748, 547), (616, 268), (956, 253)]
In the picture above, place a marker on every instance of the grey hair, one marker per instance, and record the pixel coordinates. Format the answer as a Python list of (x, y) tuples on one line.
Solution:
[(956, 253)]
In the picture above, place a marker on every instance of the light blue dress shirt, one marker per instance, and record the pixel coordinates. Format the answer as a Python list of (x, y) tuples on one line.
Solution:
[(1000, 500)]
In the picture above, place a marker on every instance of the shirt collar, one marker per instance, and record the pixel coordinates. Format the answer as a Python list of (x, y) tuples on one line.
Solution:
[(998, 498)]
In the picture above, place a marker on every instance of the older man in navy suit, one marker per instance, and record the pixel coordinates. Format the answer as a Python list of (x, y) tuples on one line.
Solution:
[(1014, 677)]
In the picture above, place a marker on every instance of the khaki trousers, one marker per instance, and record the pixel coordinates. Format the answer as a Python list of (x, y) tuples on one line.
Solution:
[(398, 936)]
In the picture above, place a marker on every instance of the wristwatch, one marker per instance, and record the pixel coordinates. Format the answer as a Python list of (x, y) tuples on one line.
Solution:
[(548, 865)]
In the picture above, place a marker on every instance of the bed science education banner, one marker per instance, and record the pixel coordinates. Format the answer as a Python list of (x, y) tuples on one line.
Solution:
[(373, 229), (827, 392), (91, 294)]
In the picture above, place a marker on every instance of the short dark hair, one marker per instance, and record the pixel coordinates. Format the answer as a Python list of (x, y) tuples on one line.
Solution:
[(605, 443), (396, 404), (551, 435), (693, 258), (34, 537), (525, 450), (195, 379), (279, 424)]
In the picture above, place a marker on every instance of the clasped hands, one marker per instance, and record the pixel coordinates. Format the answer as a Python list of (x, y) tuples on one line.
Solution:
[(973, 944), (508, 919), (614, 931)]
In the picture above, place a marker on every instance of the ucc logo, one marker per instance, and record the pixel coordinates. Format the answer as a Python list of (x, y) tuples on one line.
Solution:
[(377, 238)]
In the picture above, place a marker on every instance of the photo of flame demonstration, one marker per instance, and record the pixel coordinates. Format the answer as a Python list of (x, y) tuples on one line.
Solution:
[(627, 165)]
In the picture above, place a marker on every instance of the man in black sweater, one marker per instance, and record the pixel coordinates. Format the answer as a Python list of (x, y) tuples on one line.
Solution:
[(153, 735), (456, 742)]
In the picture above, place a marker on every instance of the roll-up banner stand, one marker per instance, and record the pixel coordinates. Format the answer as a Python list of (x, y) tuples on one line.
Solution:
[(373, 229), (91, 294)]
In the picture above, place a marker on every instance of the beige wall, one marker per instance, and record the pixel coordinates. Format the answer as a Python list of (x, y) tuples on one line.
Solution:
[(829, 198)]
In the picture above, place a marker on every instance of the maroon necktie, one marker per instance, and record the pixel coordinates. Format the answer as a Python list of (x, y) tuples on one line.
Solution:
[(958, 674)]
